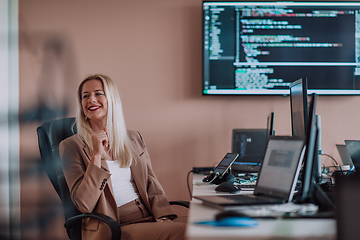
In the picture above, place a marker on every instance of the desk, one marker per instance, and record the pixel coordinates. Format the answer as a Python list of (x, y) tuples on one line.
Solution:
[(266, 229)]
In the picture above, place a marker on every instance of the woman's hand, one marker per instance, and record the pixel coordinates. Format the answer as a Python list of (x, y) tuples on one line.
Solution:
[(100, 143), (164, 219)]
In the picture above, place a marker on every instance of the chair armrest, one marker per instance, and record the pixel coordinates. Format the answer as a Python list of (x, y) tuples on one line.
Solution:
[(113, 224), (181, 203)]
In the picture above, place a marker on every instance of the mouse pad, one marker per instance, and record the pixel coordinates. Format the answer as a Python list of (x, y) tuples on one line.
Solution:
[(230, 222)]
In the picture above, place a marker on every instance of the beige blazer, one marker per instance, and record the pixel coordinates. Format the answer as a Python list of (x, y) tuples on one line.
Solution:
[(91, 190)]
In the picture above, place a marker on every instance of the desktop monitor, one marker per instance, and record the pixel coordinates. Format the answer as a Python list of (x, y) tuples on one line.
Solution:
[(300, 117), (299, 107), (259, 47), (250, 144), (270, 124), (307, 176), (310, 186)]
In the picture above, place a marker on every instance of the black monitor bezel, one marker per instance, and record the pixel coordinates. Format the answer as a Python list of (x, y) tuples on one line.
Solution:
[(305, 109), (310, 158)]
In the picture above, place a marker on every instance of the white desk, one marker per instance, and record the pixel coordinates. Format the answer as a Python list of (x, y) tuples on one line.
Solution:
[(266, 229)]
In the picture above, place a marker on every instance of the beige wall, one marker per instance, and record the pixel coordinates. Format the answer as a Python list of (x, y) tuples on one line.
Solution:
[(152, 49)]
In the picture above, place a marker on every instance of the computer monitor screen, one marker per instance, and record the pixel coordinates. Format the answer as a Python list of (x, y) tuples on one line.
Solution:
[(310, 190), (299, 107), (250, 144), (260, 47)]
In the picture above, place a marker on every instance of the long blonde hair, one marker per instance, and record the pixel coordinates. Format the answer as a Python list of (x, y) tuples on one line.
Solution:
[(120, 143)]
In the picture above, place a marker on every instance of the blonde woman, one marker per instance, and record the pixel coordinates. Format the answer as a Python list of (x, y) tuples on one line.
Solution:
[(108, 170)]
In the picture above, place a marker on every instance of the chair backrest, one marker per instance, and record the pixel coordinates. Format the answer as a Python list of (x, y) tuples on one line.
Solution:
[(50, 134)]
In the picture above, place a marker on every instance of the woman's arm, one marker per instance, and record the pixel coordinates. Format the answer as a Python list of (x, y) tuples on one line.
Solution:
[(85, 181), (159, 204)]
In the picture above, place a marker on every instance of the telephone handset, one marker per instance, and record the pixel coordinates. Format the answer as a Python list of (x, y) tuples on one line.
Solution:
[(222, 168)]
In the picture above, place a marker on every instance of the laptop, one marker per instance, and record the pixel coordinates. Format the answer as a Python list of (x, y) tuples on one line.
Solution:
[(277, 177), (353, 147), (344, 155)]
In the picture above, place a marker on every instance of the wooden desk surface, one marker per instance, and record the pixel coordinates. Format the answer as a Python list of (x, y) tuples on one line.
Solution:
[(266, 229)]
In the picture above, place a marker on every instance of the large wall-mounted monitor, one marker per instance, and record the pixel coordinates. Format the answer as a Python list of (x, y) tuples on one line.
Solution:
[(259, 48)]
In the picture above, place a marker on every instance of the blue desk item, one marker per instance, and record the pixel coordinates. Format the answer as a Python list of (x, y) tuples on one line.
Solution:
[(231, 222), (351, 170)]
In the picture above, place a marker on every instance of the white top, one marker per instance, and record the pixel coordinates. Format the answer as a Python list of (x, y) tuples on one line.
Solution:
[(123, 185)]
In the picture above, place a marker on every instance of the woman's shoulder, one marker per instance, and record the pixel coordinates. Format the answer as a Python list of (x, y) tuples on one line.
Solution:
[(71, 145), (72, 140), (133, 134), (136, 137)]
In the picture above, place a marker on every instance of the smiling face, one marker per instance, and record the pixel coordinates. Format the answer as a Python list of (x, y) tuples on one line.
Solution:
[(94, 103)]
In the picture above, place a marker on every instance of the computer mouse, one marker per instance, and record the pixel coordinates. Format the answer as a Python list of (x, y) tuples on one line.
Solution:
[(228, 187), (230, 213)]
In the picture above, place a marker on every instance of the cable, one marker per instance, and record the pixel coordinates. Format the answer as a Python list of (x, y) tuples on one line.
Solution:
[(351, 170), (215, 176), (337, 164), (188, 184), (334, 166), (331, 158)]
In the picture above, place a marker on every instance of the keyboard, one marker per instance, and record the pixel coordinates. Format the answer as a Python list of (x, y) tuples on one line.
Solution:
[(247, 187), (247, 184), (252, 199)]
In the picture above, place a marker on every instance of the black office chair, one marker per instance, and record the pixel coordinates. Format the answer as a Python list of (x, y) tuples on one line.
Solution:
[(50, 134)]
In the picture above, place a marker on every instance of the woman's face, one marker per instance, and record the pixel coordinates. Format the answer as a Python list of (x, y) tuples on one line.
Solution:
[(94, 103)]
